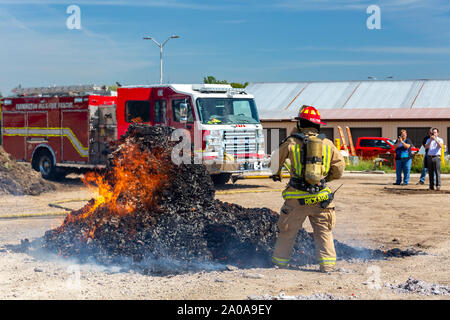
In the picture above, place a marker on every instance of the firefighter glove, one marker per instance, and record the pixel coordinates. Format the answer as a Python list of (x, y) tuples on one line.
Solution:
[(275, 177)]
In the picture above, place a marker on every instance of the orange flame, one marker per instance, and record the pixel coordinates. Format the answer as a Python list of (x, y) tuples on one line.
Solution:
[(137, 120), (132, 180)]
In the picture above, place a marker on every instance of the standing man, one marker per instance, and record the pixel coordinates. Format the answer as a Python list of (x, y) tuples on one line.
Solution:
[(434, 145), (403, 158), (303, 199), (425, 158)]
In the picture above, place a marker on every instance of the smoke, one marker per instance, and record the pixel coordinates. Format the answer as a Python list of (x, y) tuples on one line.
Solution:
[(148, 265)]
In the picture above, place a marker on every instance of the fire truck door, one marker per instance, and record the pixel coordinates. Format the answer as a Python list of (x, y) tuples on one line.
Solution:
[(36, 131), (74, 135), (102, 130), (14, 134), (181, 120)]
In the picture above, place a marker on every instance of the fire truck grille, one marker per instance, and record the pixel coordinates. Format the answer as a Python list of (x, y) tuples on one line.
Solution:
[(240, 143)]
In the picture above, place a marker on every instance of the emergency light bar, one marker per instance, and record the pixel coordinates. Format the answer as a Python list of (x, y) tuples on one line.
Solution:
[(219, 88), (57, 89)]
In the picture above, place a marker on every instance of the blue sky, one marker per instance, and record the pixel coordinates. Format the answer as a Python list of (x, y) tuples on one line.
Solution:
[(246, 40)]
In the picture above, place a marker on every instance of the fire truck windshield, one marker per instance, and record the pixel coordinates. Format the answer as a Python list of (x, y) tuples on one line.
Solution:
[(227, 111)]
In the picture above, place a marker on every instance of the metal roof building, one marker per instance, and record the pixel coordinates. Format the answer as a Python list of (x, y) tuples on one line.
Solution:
[(370, 107), (354, 99)]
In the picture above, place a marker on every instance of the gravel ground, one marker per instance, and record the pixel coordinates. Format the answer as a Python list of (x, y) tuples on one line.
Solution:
[(368, 215), (421, 287)]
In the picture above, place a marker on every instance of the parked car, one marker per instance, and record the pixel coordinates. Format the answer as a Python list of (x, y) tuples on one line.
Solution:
[(372, 147)]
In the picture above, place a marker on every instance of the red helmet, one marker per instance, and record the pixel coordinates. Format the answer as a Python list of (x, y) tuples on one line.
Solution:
[(311, 114)]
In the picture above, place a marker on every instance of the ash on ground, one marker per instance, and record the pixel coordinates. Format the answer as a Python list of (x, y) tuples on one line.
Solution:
[(283, 296), (19, 178), (167, 212), (420, 287)]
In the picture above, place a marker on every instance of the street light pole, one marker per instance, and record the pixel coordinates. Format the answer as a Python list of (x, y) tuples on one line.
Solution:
[(160, 65), (160, 54)]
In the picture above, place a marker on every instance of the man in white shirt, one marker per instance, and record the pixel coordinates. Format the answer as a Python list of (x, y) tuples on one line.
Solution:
[(434, 146)]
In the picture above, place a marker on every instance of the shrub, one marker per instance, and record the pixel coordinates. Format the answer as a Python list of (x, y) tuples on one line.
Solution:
[(417, 164), (367, 165)]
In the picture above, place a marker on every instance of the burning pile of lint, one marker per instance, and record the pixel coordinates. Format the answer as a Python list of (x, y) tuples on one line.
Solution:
[(149, 207)]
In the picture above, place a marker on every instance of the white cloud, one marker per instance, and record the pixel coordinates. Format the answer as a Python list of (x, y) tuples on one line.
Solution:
[(64, 57), (339, 5), (8, 21), (384, 49), (344, 63), (307, 64), (237, 21), (56, 55), (131, 3), (298, 5), (405, 50)]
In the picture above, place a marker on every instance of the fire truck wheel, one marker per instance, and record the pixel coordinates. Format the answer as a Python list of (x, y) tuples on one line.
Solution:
[(222, 178), (46, 166)]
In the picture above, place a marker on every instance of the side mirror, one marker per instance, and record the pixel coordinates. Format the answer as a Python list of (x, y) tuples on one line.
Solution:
[(183, 112)]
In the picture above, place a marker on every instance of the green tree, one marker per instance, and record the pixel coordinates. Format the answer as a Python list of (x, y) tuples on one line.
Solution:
[(112, 88), (211, 79), (239, 85)]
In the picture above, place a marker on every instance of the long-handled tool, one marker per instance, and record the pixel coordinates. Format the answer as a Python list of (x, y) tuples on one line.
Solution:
[(350, 142), (344, 144)]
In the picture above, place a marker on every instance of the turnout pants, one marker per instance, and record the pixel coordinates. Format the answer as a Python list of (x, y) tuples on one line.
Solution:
[(434, 170), (291, 219)]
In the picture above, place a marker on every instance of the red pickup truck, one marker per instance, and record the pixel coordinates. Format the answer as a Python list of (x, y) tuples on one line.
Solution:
[(371, 147)]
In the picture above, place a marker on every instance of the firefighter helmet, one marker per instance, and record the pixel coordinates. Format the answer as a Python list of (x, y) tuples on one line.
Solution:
[(310, 114)]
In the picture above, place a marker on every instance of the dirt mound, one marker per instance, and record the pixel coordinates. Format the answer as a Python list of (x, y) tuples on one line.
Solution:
[(150, 209), (19, 178)]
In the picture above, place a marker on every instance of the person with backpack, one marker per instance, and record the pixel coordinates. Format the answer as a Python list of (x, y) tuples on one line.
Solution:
[(314, 162)]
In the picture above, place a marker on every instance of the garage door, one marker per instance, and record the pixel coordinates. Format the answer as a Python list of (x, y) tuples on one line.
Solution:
[(328, 132), (448, 138), (364, 132), (415, 134)]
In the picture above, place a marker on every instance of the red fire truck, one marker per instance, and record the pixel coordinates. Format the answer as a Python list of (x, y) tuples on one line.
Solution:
[(66, 129)]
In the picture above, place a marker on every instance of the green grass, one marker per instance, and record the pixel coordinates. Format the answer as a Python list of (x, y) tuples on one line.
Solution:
[(367, 165), (416, 167)]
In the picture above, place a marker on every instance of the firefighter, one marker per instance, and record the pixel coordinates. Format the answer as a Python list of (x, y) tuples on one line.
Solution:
[(314, 162)]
